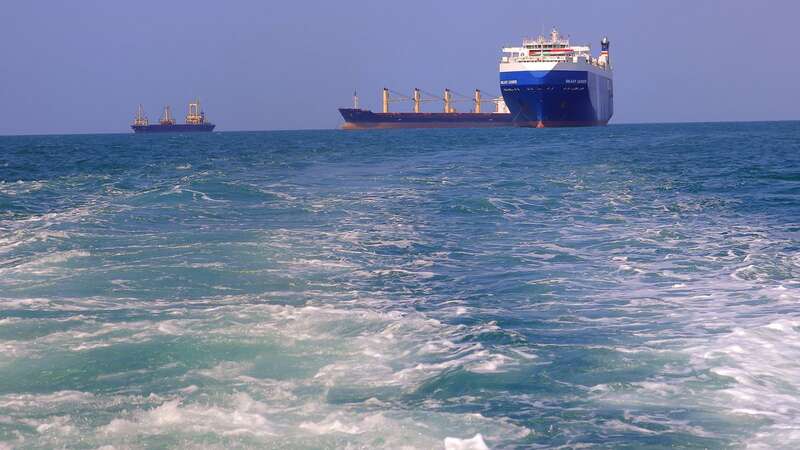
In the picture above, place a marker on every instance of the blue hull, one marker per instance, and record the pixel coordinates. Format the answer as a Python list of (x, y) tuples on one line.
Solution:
[(558, 98), (176, 128)]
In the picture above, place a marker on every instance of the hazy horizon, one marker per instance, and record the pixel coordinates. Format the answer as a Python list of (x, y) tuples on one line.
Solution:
[(85, 67)]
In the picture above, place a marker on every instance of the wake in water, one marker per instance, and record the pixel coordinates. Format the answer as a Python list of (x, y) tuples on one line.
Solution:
[(622, 286)]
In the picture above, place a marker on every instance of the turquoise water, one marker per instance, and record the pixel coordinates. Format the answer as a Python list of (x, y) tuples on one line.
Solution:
[(632, 286)]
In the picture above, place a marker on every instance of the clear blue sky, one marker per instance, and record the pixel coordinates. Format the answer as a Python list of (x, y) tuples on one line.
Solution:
[(83, 66)]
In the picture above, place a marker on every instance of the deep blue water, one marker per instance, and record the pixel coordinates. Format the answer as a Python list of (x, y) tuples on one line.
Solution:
[(630, 286)]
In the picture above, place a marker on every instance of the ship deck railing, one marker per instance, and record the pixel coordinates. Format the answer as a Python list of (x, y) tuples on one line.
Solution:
[(538, 58)]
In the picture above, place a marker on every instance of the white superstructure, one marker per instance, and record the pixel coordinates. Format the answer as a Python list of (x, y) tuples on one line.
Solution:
[(553, 52)]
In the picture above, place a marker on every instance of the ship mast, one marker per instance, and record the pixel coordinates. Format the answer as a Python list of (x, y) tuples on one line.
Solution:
[(141, 119), (448, 101), (166, 118)]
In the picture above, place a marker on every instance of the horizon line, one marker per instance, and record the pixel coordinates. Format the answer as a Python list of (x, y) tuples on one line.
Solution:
[(115, 133)]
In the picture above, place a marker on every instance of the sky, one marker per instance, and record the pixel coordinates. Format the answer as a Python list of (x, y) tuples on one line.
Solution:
[(84, 66)]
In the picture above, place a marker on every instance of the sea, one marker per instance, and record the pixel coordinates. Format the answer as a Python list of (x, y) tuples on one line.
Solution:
[(629, 286)]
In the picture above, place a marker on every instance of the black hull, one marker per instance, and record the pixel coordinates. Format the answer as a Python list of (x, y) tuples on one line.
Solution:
[(361, 119), (177, 128)]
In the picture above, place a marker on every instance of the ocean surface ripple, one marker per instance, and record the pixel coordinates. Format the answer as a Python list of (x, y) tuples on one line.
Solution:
[(632, 286)]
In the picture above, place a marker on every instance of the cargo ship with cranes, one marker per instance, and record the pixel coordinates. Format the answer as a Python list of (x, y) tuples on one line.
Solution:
[(547, 82), (356, 118), (195, 121)]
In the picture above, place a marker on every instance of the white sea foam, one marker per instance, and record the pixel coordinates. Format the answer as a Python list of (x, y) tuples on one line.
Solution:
[(243, 417), (21, 187), (493, 364), (56, 425), (22, 402), (349, 313), (762, 364), (42, 265), (474, 443), (353, 348)]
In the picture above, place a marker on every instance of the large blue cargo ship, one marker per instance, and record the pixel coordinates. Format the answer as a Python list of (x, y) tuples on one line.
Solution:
[(549, 83), (195, 121)]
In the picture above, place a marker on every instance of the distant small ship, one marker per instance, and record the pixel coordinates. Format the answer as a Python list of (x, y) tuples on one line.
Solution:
[(195, 121)]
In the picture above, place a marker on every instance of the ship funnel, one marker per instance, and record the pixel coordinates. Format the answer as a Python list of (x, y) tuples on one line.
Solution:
[(417, 100), (605, 58), (477, 100)]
